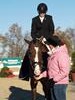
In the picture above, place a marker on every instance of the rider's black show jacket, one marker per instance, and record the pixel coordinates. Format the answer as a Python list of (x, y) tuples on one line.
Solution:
[(45, 28)]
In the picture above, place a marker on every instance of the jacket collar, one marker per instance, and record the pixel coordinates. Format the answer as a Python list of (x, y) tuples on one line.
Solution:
[(62, 48), (43, 19)]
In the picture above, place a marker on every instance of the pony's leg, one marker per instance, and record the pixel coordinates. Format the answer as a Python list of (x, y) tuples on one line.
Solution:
[(33, 84), (46, 89), (34, 94)]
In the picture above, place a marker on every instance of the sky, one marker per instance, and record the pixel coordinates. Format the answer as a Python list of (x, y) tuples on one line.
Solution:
[(22, 12)]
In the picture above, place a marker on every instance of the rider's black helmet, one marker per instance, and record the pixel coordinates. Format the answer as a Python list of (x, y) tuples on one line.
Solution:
[(42, 8)]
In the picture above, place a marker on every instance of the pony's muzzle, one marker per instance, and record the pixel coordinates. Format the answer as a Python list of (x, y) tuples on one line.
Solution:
[(37, 70)]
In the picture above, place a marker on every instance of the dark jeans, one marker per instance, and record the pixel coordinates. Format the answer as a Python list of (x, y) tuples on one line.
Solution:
[(58, 92)]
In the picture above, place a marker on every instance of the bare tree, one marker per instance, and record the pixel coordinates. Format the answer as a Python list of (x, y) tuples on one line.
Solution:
[(3, 46), (16, 41), (71, 33), (65, 38)]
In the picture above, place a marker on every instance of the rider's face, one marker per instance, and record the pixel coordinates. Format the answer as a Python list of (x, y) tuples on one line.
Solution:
[(42, 14)]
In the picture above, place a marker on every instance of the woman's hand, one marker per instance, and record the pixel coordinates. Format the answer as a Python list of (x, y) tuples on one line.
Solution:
[(38, 77)]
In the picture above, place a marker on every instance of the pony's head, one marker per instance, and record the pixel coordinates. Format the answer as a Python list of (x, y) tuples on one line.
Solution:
[(35, 55)]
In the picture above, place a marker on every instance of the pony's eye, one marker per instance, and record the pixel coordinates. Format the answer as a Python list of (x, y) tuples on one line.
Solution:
[(30, 53)]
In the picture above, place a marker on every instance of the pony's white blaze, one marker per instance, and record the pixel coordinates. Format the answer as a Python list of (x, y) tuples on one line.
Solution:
[(37, 67), (36, 55)]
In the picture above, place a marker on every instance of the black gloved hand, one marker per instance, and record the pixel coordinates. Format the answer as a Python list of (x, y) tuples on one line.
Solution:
[(34, 40), (51, 82)]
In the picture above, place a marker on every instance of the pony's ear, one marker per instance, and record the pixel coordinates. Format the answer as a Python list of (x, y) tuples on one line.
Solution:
[(27, 41)]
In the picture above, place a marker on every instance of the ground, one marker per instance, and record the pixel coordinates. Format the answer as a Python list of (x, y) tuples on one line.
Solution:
[(16, 89)]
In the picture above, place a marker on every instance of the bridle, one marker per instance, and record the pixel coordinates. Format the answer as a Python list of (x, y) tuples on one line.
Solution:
[(33, 63), (36, 47)]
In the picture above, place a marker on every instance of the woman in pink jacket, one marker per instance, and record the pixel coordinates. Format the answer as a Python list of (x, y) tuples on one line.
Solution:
[(58, 69)]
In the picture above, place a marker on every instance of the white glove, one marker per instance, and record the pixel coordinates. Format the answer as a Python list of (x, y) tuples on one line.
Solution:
[(49, 53), (43, 40)]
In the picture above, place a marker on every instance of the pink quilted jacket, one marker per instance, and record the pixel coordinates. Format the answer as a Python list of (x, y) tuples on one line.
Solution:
[(58, 66)]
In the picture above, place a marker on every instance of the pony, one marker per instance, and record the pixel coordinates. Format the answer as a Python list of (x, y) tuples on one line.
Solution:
[(37, 53)]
